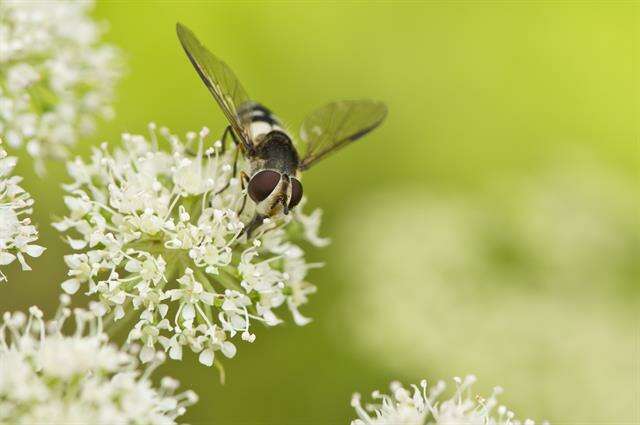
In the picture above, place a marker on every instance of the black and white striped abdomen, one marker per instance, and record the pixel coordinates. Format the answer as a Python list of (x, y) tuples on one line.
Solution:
[(259, 119)]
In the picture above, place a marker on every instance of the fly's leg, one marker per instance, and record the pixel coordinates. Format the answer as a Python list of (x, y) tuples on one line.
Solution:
[(244, 181), (257, 219), (235, 170), (223, 139), (229, 131), (253, 225)]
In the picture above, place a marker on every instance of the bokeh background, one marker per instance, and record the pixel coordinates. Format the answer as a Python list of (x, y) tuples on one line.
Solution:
[(491, 226)]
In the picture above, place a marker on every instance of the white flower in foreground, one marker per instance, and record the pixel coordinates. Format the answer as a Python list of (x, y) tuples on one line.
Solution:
[(17, 234), (57, 77), (47, 376), (158, 230), (426, 406)]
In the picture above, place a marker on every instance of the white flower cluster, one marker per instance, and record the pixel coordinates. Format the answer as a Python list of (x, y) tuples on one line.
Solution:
[(47, 376), (17, 234), (427, 406), (158, 226), (56, 76)]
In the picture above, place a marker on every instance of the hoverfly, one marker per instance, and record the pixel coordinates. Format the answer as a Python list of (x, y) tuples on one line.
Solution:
[(275, 165)]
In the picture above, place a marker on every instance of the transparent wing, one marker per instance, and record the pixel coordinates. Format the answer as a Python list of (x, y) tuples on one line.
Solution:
[(337, 124), (219, 79)]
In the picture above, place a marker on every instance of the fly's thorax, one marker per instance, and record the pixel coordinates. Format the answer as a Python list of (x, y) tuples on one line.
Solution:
[(275, 151), (272, 146)]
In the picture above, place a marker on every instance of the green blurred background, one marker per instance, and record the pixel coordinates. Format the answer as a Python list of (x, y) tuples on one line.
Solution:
[(481, 95)]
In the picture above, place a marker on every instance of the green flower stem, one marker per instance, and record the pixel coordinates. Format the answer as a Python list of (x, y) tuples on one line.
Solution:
[(202, 278), (114, 326)]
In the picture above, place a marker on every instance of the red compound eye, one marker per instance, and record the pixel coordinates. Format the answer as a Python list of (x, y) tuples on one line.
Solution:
[(296, 192), (262, 184)]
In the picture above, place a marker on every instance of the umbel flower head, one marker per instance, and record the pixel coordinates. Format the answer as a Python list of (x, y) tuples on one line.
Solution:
[(425, 405), (56, 77), (158, 229), (17, 234), (47, 376)]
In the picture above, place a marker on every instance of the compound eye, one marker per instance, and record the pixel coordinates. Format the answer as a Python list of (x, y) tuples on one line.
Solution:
[(296, 192), (262, 184)]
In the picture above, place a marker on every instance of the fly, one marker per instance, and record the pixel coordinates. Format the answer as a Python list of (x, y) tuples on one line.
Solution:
[(275, 165)]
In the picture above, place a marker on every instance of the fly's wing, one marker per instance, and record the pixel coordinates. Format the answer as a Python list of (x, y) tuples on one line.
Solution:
[(337, 124), (219, 79)]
